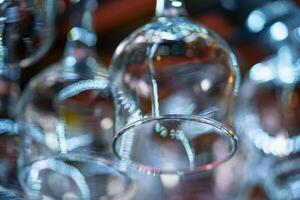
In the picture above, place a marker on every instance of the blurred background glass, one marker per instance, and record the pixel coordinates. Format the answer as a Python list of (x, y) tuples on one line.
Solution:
[(66, 117), (268, 112), (29, 29), (27, 32)]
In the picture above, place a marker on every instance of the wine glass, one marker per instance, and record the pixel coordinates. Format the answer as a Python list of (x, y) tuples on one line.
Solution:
[(269, 120), (27, 31), (268, 114), (67, 117), (8, 97), (174, 83)]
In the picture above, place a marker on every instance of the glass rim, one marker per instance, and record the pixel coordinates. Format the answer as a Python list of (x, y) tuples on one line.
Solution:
[(128, 182), (231, 139)]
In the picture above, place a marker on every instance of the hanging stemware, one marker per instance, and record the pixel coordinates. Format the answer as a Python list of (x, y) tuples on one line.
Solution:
[(30, 29), (268, 117), (174, 83), (27, 31), (67, 114)]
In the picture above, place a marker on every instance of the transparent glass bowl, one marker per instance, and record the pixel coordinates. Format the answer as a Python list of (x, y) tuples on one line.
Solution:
[(173, 66), (66, 120), (69, 108)]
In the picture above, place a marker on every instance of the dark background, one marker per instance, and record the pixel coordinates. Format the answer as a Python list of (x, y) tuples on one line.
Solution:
[(115, 19)]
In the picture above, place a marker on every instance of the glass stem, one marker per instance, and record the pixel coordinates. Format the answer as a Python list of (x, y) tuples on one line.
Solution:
[(154, 86), (82, 37), (80, 45), (170, 8)]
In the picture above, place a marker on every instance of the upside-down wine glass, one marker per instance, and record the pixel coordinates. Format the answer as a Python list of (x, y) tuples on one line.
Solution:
[(27, 31), (26, 35), (268, 115), (174, 83), (269, 123), (30, 29), (67, 113)]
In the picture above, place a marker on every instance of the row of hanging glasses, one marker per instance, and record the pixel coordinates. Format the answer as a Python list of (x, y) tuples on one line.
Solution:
[(159, 123), (168, 102)]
